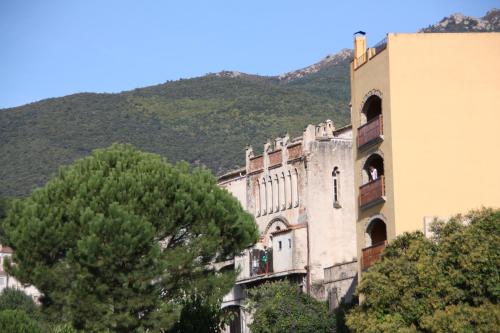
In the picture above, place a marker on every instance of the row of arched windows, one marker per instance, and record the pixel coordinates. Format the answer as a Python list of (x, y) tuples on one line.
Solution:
[(277, 192)]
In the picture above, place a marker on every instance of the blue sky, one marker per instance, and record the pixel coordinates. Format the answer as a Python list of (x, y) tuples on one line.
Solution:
[(58, 47)]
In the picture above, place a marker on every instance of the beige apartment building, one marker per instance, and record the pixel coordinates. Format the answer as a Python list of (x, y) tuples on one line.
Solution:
[(426, 118), (301, 193)]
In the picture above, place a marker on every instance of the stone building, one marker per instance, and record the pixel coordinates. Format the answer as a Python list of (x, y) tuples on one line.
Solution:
[(301, 193)]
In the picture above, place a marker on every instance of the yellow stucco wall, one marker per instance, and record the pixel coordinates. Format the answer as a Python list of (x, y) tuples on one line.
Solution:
[(441, 118), (373, 75), (445, 124)]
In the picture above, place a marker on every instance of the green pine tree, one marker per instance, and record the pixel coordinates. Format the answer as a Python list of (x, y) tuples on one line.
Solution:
[(120, 239)]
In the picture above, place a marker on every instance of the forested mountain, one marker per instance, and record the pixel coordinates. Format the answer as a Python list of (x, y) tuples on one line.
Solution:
[(206, 120)]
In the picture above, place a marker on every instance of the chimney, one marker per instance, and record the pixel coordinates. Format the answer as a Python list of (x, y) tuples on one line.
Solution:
[(359, 44)]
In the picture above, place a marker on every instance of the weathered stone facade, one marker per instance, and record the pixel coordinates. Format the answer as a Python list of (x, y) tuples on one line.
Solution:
[(302, 196)]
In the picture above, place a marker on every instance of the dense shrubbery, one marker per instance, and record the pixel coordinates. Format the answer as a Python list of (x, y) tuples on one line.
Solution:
[(282, 307), (17, 321), (447, 284), (14, 299)]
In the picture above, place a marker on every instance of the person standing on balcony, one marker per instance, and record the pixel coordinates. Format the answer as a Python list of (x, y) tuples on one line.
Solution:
[(373, 173)]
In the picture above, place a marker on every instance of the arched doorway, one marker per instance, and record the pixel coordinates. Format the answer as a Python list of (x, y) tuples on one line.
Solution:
[(234, 313)]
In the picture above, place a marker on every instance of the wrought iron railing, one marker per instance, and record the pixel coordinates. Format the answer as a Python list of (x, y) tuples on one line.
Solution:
[(380, 46), (261, 262)]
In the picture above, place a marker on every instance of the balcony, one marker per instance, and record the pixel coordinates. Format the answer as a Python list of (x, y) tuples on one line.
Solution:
[(372, 193), (371, 132), (261, 262), (371, 254), (285, 254)]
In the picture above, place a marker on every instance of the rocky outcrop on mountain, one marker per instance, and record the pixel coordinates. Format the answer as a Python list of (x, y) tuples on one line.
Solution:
[(345, 55), (461, 23)]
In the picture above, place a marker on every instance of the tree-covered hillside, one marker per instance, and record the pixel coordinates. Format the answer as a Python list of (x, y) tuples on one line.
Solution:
[(207, 120)]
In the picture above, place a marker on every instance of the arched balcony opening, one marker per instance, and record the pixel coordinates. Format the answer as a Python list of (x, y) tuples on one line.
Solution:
[(371, 129), (371, 109), (373, 168), (377, 232), (373, 189), (376, 240)]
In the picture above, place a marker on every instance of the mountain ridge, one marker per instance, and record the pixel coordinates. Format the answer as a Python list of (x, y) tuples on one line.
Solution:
[(206, 120)]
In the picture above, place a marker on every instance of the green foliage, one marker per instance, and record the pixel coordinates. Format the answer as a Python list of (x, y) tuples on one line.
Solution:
[(282, 307), (4, 202), (14, 299), (199, 315), (17, 321), (90, 240), (447, 284), (63, 328), (205, 121), (340, 314)]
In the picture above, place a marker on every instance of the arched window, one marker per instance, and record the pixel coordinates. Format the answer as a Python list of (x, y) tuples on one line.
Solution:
[(336, 187), (289, 196), (282, 191), (276, 193), (295, 188), (263, 196), (269, 195), (257, 198)]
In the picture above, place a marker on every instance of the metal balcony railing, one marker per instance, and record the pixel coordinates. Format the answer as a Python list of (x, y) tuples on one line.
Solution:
[(371, 254), (371, 131), (261, 262), (380, 46), (372, 192)]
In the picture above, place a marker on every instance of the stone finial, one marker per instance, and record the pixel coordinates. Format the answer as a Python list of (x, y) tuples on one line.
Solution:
[(278, 143), (267, 146), (286, 139), (330, 127), (248, 155), (324, 130), (309, 135), (249, 151)]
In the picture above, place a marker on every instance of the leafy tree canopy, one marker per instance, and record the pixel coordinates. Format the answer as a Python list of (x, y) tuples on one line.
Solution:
[(17, 321), (118, 240), (15, 299), (282, 307), (200, 315), (450, 283)]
